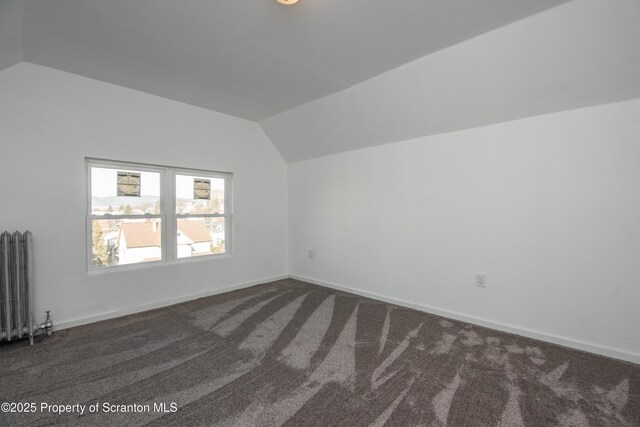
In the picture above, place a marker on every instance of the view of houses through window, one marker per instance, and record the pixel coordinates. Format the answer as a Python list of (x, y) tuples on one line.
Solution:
[(127, 208), (200, 212)]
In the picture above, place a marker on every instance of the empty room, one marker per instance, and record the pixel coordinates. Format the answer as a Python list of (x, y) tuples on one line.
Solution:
[(320, 213)]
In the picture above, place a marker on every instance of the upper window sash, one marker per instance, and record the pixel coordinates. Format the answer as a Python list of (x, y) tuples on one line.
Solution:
[(105, 195)]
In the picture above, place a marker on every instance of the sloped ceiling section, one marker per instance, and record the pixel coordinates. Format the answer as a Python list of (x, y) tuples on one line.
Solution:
[(251, 58), (582, 53), (10, 33), (327, 76)]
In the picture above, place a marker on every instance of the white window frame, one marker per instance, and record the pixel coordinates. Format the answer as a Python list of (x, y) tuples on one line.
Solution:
[(226, 215), (168, 216)]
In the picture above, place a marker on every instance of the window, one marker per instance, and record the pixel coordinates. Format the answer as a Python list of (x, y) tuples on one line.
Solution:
[(200, 215), (143, 213)]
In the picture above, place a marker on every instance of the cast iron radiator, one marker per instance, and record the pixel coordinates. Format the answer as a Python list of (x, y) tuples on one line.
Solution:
[(16, 288)]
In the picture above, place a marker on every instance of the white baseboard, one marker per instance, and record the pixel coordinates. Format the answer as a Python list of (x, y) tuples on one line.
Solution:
[(158, 304), (542, 336), (525, 332)]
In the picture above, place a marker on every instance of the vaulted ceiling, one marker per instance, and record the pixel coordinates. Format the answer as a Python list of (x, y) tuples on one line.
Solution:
[(251, 58), (316, 75)]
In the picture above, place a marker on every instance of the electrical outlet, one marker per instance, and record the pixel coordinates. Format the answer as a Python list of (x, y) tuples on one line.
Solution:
[(312, 254), (481, 280)]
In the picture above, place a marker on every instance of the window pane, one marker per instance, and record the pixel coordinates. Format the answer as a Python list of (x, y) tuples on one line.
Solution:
[(126, 241), (199, 195), (200, 236), (107, 184)]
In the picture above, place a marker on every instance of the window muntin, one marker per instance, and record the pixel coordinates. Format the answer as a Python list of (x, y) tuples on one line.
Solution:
[(142, 213)]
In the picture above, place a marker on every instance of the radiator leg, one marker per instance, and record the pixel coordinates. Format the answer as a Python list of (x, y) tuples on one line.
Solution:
[(31, 339)]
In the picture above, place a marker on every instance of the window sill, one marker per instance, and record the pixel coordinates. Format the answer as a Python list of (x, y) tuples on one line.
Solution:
[(155, 264)]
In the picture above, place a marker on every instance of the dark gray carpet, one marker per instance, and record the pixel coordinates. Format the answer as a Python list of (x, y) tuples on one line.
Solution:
[(297, 354)]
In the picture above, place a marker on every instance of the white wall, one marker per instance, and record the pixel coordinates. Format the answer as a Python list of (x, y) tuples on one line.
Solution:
[(50, 120), (548, 207), (10, 33), (579, 54)]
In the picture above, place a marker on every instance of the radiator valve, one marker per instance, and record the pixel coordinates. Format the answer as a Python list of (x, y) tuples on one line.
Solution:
[(47, 325)]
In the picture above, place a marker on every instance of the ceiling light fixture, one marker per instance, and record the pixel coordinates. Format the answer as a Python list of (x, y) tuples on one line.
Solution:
[(287, 2)]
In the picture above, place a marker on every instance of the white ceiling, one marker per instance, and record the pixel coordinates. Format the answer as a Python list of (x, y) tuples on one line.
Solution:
[(251, 58), (10, 33), (583, 53)]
